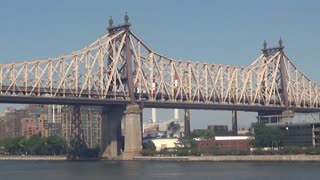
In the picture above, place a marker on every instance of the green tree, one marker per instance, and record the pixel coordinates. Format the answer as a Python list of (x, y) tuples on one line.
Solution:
[(15, 145), (185, 142), (149, 149), (185, 146), (149, 145), (204, 134), (207, 134), (10, 146), (37, 145), (2, 142), (21, 143), (56, 145), (266, 136)]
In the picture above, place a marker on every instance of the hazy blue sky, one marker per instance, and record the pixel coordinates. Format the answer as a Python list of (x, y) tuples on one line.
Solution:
[(223, 32)]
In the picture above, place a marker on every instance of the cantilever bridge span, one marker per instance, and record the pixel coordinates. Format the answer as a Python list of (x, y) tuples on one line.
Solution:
[(120, 72), (120, 68)]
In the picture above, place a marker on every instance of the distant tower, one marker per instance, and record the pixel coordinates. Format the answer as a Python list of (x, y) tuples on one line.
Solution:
[(176, 114), (154, 115), (54, 113)]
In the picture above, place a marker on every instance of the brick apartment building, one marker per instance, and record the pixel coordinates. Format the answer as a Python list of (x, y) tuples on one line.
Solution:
[(29, 127), (3, 129), (91, 124), (49, 120)]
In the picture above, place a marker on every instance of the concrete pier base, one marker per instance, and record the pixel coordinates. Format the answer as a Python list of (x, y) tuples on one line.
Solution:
[(111, 131), (132, 126)]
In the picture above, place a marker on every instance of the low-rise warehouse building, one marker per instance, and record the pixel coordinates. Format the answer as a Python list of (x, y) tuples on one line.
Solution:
[(225, 143)]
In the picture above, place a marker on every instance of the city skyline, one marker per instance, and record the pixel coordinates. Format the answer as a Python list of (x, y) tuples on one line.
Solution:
[(50, 120), (207, 31)]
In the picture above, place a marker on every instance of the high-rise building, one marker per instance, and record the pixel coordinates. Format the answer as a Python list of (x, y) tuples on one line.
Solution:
[(91, 121), (39, 112), (33, 116), (14, 124), (3, 129), (29, 127), (91, 124), (54, 116), (66, 114), (54, 129), (54, 113), (43, 124), (49, 120)]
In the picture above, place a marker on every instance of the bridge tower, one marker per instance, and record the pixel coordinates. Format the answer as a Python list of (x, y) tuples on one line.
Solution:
[(287, 114), (131, 114)]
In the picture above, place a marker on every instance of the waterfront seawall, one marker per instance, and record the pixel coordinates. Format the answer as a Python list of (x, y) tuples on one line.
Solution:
[(277, 158), (34, 158)]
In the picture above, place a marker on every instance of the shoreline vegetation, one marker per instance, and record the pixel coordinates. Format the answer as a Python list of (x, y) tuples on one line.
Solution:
[(266, 140), (45, 148), (36, 145)]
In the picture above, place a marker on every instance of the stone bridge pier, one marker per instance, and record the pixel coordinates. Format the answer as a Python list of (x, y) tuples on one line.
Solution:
[(111, 138), (133, 132)]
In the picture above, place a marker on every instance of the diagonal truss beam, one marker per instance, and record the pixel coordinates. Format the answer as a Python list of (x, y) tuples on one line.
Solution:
[(120, 66)]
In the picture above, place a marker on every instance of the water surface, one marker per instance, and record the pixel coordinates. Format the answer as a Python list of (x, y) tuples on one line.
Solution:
[(146, 170)]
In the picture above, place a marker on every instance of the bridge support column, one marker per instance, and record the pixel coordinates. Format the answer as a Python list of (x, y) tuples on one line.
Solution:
[(76, 135), (187, 132), (111, 131), (132, 126), (234, 123)]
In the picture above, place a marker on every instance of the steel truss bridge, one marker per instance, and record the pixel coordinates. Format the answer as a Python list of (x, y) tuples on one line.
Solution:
[(119, 68)]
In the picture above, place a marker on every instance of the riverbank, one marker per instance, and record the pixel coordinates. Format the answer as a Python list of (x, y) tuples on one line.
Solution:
[(276, 158), (34, 158), (253, 158)]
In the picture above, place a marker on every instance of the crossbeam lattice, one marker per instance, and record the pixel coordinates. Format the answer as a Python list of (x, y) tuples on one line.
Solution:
[(98, 72)]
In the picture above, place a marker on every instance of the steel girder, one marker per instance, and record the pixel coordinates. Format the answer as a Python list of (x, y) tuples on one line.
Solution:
[(99, 72)]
